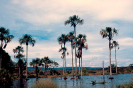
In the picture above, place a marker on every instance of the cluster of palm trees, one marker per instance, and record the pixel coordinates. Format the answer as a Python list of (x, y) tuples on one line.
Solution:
[(42, 62), (76, 42), (109, 33)]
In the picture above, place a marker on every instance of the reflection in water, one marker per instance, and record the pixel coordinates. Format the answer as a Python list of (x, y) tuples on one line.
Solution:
[(80, 83)]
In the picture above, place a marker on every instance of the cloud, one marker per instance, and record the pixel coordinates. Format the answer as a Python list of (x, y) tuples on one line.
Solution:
[(40, 12), (44, 20), (126, 41)]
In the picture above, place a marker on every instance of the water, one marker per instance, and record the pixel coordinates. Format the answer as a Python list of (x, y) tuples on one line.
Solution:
[(85, 83)]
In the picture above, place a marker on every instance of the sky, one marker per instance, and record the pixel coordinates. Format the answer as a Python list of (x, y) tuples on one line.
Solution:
[(44, 21)]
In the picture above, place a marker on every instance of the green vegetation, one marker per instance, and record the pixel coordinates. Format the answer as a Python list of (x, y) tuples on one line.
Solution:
[(45, 83), (4, 38)]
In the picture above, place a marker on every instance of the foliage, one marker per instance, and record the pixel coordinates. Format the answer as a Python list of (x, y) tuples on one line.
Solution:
[(44, 83), (20, 56), (7, 63), (74, 20), (35, 63), (84, 69), (53, 71), (41, 73), (5, 37), (5, 78)]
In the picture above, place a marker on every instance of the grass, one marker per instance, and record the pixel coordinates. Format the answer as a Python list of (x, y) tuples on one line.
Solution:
[(44, 83)]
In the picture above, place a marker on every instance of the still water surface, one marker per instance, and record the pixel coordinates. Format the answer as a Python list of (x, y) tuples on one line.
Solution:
[(85, 83)]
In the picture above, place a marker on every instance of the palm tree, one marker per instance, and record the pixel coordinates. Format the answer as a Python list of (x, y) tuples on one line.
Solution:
[(109, 33), (63, 56), (74, 20), (46, 61), (63, 39), (35, 63), (115, 44), (17, 50), (4, 38), (27, 39), (81, 44), (71, 39)]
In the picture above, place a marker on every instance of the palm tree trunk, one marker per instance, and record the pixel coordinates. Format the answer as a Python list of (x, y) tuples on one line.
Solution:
[(19, 63), (75, 51), (19, 72), (72, 59), (81, 63), (26, 59), (115, 60), (110, 57), (65, 60), (65, 64), (1, 55), (79, 66)]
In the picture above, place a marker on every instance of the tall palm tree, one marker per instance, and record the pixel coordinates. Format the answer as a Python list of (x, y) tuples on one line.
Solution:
[(74, 20), (4, 38), (115, 44), (81, 44), (17, 50), (71, 39), (35, 63), (63, 39), (109, 33), (27, 39)]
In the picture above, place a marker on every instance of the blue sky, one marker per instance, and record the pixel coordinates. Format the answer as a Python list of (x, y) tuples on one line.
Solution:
[(44, 20)]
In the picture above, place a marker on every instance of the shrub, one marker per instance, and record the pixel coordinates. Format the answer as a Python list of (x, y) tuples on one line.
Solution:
[(44, 83), (41, 73)]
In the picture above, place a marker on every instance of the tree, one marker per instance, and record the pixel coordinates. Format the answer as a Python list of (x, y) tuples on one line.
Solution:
[(115, 44), (63, 39), (35, 63), (4, 38), (109, 33), (63, 55), (46, 61), (7, 62), (81, 44), (74, 20), (18, 50), (27, 39), (54, 64), (71, 39)]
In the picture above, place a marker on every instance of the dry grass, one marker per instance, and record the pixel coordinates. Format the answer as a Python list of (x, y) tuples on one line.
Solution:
[(44, 83)]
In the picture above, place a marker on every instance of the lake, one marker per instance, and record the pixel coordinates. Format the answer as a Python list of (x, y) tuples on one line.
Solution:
[(84, 83)]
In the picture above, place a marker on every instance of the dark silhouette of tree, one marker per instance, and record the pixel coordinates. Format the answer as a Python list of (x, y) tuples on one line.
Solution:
[(4, 38)]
